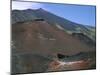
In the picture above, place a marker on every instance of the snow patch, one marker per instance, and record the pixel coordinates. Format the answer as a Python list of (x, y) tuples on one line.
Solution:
[(58, 26)]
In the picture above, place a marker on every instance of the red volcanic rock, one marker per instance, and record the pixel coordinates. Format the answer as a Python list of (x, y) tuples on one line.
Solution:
[(75, 65), (41, 37), (54, 65)]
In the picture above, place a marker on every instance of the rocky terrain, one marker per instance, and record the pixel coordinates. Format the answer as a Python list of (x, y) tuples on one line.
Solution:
[(38, 36)]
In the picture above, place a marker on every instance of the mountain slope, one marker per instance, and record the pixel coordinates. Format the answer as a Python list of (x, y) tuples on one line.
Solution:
[(29, 14), (41, 36), (38, 36)]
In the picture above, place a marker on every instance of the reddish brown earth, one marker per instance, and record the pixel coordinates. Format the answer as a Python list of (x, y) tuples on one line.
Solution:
[(26, 39), (75, 65), (41, 38)]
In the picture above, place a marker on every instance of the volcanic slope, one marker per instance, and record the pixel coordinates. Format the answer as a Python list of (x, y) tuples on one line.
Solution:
[(51, 18), (42, 38)]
